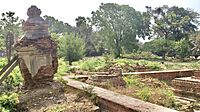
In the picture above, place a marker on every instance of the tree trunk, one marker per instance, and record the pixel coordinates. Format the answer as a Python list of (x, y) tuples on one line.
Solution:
[(117, 49), (70, 63), (163, 56)]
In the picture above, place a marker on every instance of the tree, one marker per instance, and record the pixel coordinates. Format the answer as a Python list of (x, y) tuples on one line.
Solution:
[(56, 26), (118, 24), (173, 22), (10, 23), (84, 29), (160, 47), (183, 48), (71, 48), (195, 44), (9, 30)]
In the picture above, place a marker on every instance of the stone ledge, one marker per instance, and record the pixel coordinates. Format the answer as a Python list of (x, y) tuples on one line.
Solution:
[(186, 86), (189, 79), (168, 75), (164, 71), (116, 102)]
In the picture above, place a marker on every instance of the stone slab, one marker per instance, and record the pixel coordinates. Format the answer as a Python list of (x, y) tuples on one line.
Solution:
[(115, 102)]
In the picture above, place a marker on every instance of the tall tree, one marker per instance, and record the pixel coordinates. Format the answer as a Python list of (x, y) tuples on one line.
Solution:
[(195, 44), (119, 24), (56, 26), (173, 22), (84, 29), (9, 30), (10, 23)]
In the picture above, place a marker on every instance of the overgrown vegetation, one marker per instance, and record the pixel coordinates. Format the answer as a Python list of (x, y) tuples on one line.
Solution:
[(71, 47), (131, 65), (9, 89), (149, 89)]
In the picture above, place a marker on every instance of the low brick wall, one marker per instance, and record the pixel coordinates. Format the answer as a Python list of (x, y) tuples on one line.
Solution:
[(164, 75), (186, 86), (114, 102)]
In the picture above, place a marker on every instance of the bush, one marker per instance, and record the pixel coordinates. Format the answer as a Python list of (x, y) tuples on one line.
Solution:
[(93, 64), (8, 102), (72, 48), (144, 94), (13, 80), (62, 68), (183, 48)]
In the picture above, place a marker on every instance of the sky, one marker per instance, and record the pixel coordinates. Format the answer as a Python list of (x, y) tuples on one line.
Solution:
[(68, 10)]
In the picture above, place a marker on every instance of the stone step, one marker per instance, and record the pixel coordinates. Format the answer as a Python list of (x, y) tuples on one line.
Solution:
[(185, 99), (186, 86)]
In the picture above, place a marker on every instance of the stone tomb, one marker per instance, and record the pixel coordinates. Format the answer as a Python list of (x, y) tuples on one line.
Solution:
[(188, 85), (37, 52)]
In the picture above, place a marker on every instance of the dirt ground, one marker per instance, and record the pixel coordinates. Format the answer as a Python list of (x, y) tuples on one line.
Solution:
[(55, 98)]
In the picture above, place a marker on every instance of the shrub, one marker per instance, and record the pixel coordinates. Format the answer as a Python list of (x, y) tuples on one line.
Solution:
[(8, 102), (144, 94), (183, 48), (62, 68), (92, 64), (72, 48)]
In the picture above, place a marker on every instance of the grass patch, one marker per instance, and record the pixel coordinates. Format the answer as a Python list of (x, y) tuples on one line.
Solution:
[(150, 89)]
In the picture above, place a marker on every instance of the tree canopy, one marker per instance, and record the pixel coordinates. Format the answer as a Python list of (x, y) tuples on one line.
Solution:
[(119, 24), (173, 22)]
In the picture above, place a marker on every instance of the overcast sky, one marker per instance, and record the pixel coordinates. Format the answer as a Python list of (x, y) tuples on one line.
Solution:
[(68, 10)]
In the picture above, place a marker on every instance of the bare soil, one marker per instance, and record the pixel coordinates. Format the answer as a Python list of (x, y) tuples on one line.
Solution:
[(54, 98)]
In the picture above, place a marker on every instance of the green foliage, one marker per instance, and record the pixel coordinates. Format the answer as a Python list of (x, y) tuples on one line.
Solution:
[(8, 102), (61, 80), (141, 55), (10, 23), (14, 79), (160, 46), (58, 27), (92, 64), (62, 68), (173, 22), (119, 25), (133, 81), (195, 44), (84, 28), (8, 98), (55, 37), (71, 48), (183, 48), (152, 90), (144, 94)]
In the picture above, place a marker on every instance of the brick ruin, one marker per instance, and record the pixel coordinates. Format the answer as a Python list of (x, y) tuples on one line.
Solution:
[(185, 86), (37, 52)]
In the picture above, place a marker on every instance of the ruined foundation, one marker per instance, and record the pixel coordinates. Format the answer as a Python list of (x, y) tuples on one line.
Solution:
[(187, 85)]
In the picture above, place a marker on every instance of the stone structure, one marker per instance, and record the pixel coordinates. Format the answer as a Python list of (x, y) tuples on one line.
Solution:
[(116, 80), (188, 85), (37, 52)]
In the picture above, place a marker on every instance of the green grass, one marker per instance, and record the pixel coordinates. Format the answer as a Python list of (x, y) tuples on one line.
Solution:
[(102, 64), (91, 64), (151, 90)]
